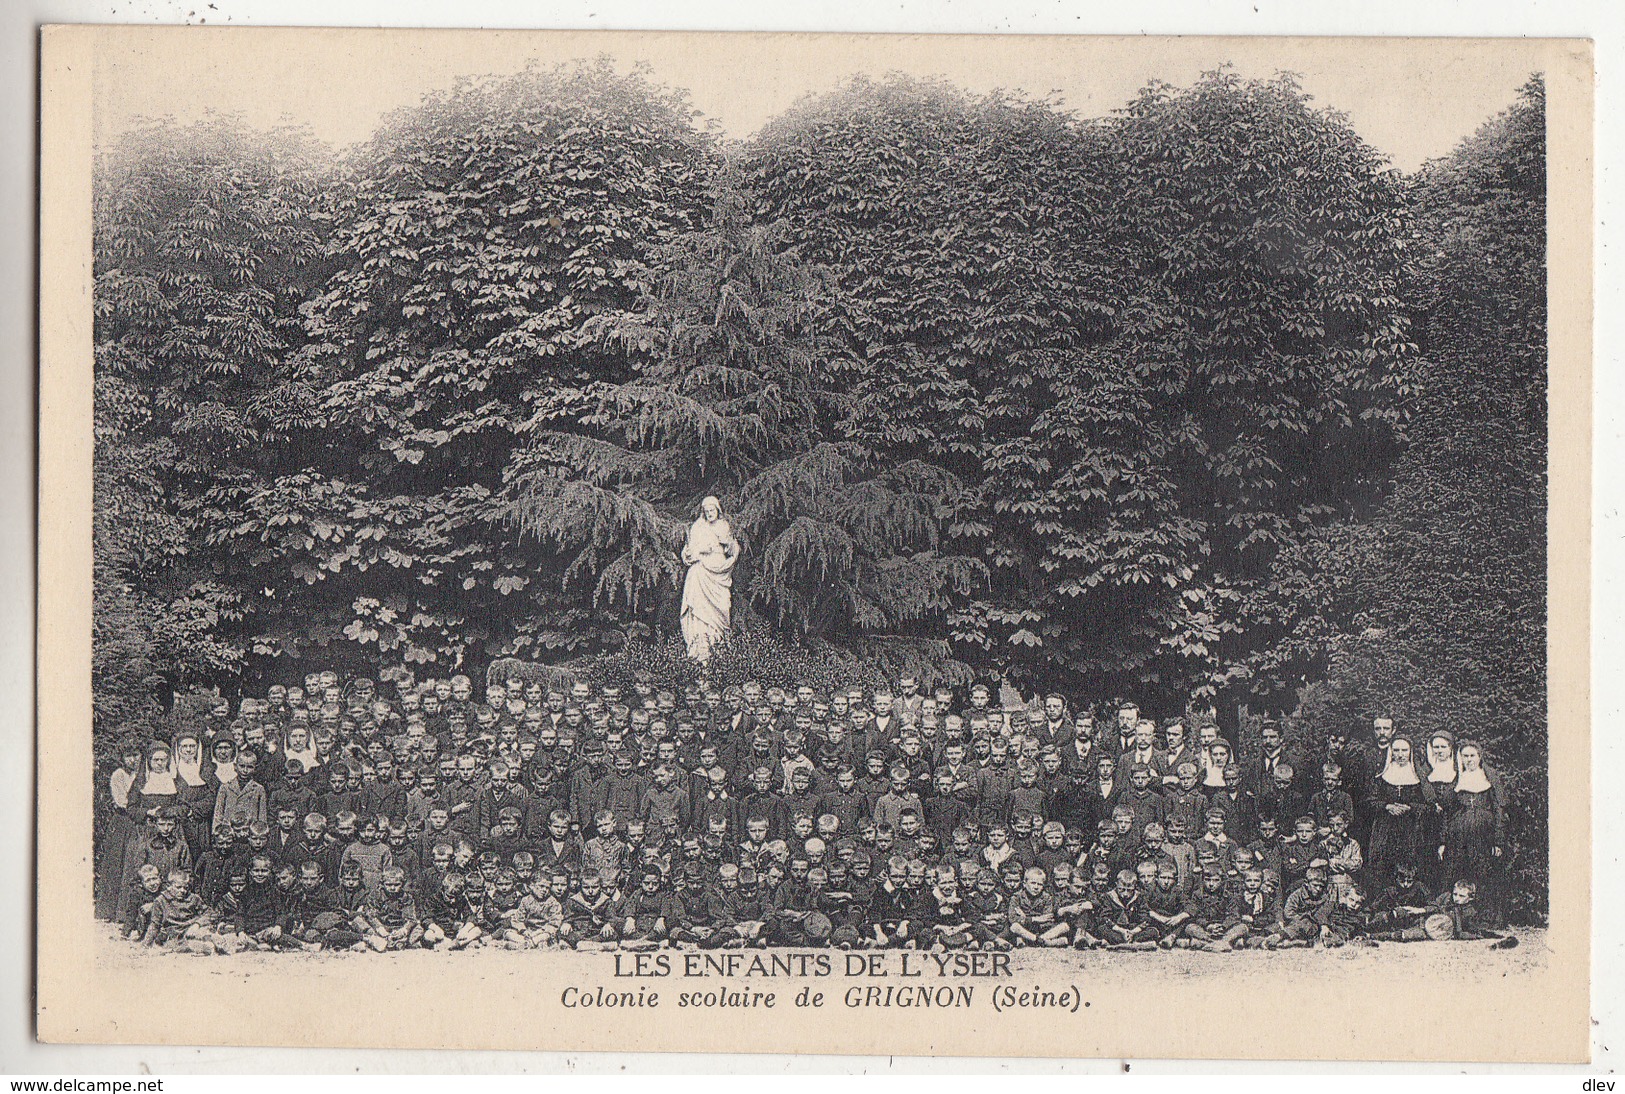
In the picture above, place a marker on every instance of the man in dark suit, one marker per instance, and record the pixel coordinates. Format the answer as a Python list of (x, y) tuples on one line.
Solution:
[(1180, 748), (1054, 730), (1143, 751), (1273, 753), (1116, 739)]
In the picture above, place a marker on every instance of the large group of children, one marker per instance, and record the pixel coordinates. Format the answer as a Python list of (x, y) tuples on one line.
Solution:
[(415, 813)]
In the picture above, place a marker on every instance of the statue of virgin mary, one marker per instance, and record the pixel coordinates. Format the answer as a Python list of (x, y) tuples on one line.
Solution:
[(710, 554)]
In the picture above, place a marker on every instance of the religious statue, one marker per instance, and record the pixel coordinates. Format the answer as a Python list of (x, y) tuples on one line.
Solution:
[(710, 554)]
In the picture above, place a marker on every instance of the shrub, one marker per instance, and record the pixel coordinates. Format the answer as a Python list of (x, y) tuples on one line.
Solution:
[(753, 652)]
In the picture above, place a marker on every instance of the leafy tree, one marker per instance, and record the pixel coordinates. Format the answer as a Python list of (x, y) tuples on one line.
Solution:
[(1154, 351), (1268, 338), (204, 242), (1434, 611), (474, 237), (736, 391)]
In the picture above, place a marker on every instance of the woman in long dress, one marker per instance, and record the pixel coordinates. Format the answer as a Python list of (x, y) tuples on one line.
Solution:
[(156, 787), (1441, 777), (1401, 800), (710, 554), (117, 830), (1474, 831)]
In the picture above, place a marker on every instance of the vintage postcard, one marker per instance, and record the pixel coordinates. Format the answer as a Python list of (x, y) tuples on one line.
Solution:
[(858, 544)]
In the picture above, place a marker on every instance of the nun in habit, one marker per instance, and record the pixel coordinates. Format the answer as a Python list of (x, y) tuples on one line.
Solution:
[(1401, 803), (152, 793), (709, 554), (193, 790)]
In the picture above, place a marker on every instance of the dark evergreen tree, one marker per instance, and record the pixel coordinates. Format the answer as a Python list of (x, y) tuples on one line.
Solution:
[(737, 391)]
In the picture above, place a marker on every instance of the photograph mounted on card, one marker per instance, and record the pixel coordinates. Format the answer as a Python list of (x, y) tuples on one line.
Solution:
[(860, 544)]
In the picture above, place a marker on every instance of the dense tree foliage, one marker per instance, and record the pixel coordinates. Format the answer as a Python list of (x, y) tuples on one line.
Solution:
[(205, 245), (1153, 351), (473, 240), (736, 392), (1434, 611)]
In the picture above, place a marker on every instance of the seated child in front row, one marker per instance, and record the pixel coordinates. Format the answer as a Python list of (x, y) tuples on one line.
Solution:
[(178, 913), (137, 906), (1034, 920), (1459, 906), (536, 921)]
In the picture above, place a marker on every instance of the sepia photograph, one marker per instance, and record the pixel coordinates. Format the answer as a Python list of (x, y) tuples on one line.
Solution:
[(981, 533)]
